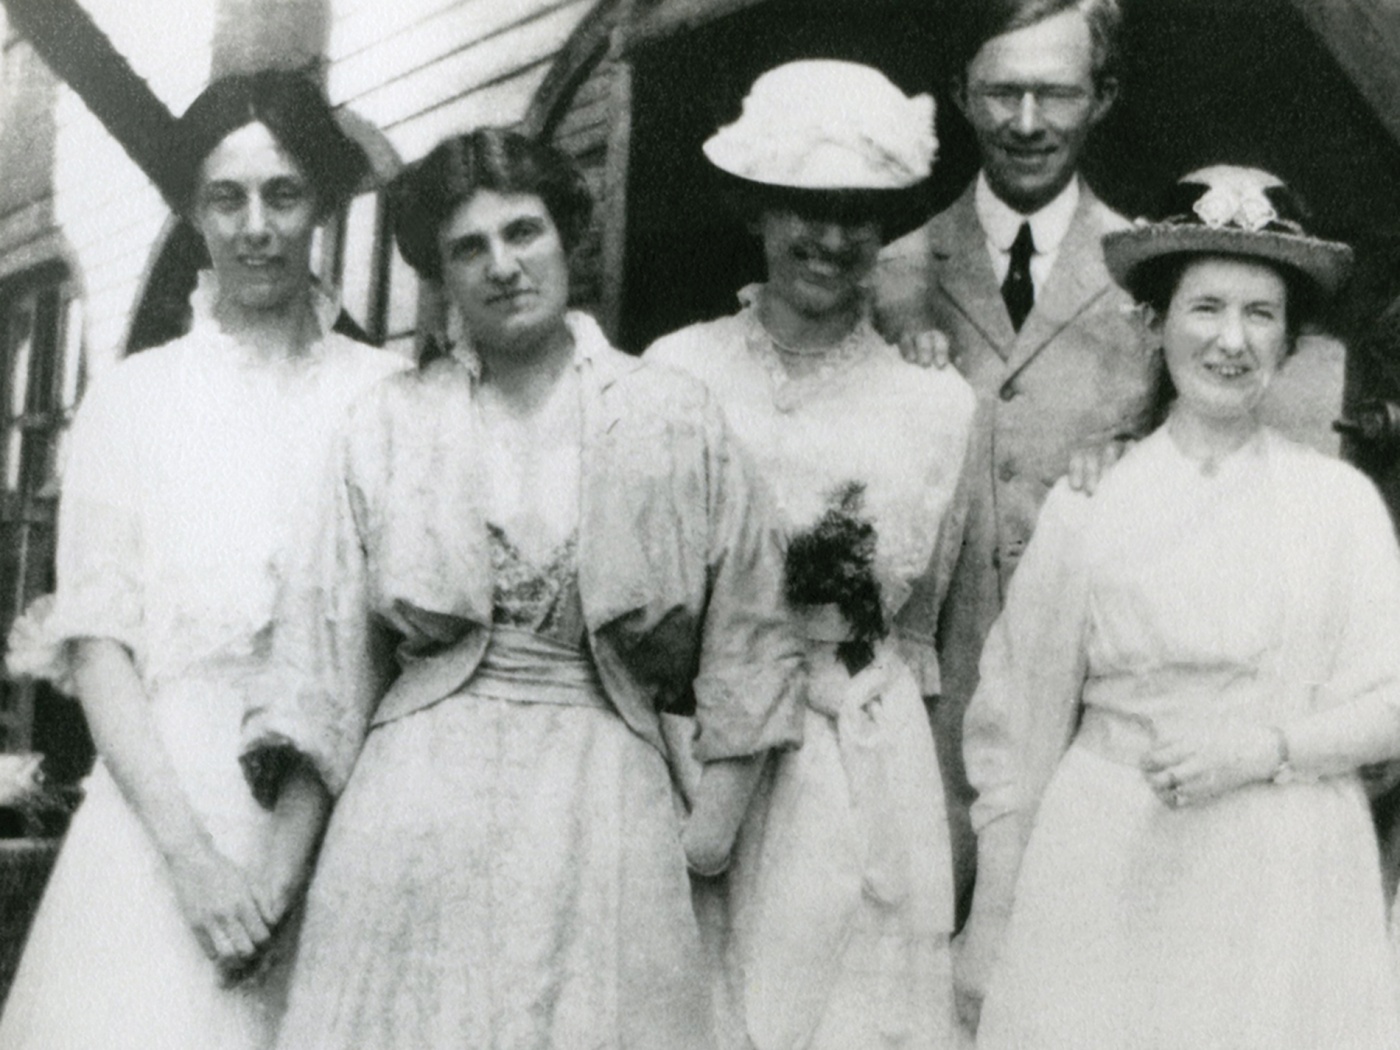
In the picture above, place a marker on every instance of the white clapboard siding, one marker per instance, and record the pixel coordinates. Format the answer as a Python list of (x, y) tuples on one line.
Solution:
[(500, 103), (107, 211), (360, 24), (109, 215), (470, 23), (475, 63)]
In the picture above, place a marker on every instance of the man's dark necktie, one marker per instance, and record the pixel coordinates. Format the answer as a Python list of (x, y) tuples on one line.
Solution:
[(1017, 291)]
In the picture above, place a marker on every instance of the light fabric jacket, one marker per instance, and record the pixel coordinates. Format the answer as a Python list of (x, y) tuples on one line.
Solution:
[(679, 562), (1076, 375)]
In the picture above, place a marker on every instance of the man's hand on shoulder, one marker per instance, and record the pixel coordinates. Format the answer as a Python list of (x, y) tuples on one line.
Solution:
[(927, 349), (1088, 466)]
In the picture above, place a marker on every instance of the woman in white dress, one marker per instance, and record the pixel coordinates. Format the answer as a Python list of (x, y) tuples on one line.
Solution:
[(831, 926), (189, 465), (1174, 847), (537, 544)]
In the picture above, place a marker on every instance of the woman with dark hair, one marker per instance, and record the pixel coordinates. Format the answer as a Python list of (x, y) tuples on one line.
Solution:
[(188, 469), (832, 924), (535, 546), (1174, 848)]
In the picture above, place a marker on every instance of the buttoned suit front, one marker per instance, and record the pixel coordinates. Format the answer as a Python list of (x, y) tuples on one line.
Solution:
[(1077, 375)]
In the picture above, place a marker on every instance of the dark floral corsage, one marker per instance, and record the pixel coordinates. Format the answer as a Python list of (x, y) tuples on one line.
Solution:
[(833, 564)]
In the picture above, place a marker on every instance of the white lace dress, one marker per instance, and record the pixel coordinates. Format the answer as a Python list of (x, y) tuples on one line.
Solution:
[(831, 928), (189, 465)]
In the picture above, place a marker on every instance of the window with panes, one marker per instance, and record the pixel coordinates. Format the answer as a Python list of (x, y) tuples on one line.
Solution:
[(41, 353)]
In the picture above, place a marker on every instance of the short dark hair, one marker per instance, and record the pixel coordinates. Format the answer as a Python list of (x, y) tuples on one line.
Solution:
[(296, 112), (1154, 282), (986, 19), (425, 195)]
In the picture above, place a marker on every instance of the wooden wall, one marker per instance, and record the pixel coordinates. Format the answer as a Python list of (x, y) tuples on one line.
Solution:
[(422, 69), (106, 212)]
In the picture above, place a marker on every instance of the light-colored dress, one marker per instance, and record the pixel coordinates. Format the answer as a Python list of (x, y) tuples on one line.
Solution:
[(839, 899), (1267, 592), (504, 868), (189, 464)]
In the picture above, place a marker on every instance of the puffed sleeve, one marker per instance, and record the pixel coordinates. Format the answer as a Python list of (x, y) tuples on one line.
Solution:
[(330, 659), (748, 692), (1023, 714), (1357, 708), (100, 558)]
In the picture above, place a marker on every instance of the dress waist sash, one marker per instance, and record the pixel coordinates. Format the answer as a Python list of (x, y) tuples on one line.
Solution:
[(1126, 715), (524, 667)]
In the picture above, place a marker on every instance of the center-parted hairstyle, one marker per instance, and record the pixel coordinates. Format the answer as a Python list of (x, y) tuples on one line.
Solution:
[(425, 195), (987, 19), (296, 112)]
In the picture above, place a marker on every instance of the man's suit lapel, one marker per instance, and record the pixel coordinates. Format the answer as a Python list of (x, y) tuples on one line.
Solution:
[(1078, 278), (965, 273)]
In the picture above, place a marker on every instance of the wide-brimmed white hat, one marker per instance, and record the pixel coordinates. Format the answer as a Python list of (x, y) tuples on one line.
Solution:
[(822, 124), (1229, 210)]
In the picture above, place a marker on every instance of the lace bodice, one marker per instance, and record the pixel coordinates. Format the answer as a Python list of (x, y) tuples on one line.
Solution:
[(865, 416), (543, 596)]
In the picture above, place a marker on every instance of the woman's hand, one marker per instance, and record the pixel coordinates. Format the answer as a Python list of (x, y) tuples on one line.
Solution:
[(706, 845), (975, 952), (219, 905), (1197, 765), (930, 349), (282, 881), (299, 817), (1087, 466), (722, 798)]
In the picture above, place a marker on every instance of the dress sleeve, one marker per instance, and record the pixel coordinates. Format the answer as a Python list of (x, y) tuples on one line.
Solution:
[(1356, 717), (100, 559), (330, 659), (916, 623), (1024, 712), (748, 693)]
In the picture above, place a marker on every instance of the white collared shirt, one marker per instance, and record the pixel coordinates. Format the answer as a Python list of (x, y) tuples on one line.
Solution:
[(1001, 223)]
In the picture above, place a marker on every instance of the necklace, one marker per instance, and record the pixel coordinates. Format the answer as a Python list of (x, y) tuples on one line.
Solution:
[(1208, 463), (800, 351)]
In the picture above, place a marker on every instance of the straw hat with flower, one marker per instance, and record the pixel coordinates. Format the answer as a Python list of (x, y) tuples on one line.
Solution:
[(1229, 210)]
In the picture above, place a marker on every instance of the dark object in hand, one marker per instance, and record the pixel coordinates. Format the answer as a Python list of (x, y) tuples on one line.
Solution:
[(833, 563)]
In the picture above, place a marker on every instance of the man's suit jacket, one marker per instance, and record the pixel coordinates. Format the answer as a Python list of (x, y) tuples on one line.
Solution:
[(1076, 375)]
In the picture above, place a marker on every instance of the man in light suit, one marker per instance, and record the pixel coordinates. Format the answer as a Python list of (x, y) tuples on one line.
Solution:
[(1014, 275)]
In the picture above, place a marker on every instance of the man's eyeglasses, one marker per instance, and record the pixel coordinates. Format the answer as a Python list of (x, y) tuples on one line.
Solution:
[(1053, 100)]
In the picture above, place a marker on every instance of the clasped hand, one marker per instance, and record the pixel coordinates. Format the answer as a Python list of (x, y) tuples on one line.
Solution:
[(1195, 765), (232, 914)]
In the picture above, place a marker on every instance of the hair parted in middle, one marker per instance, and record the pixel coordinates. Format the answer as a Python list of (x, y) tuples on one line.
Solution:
[(987, 19), (297, 113), (425, 195)]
